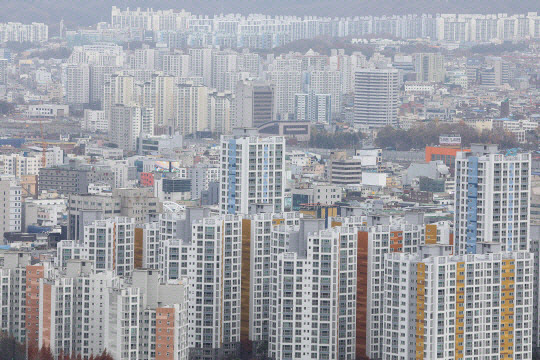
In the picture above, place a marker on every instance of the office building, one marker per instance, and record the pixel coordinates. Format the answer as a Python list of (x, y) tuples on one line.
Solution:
[(68, 179), (137, 203), (254, 104), (376, 97), (345, 170), (324, 194), (83, 209)]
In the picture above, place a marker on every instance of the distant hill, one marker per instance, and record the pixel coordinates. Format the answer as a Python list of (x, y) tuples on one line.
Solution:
[(89, 12)]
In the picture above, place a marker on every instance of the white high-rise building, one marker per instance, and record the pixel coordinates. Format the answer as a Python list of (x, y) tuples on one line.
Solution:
[(95, 120), (191, 108), (140, 319), (223, 63), (17, 32), (98, 74), (381, 235), (4, 71), (143, 59), (201, 176), (176, 65), (10, 206), (154, 314), (13, 297), (286, 84), (492, 199), (118, 89), (208, 250), (151, 239), (163, 88), (110, 244), (252, 171), (347, 66), (315, 108), (126, 124), (18, 164), (452, 307), (220, 112), (201, 64), (328, 82), (376, 97), (250, 63), (266, 240), (77, 84), (216, 285), (429, 67), (313, 308)]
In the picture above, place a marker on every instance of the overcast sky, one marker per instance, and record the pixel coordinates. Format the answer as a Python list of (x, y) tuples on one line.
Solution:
[(88, 12)]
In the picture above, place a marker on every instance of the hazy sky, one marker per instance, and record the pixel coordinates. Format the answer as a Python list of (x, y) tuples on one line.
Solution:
[(88, 12)]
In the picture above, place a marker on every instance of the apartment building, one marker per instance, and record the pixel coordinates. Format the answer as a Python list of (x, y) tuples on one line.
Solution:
[(492, 199), (313, 313), (10, 206), (252, 171), (458, 307)]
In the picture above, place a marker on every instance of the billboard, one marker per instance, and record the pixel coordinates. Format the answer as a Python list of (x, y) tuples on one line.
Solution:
[(453, 140), (167, 166)]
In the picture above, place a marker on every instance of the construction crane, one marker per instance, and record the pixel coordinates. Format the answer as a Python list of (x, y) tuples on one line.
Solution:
[(43, 146)]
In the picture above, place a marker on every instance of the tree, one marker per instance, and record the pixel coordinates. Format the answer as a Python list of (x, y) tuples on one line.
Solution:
[(45, 353), (33, 352), (10, 348), (262, 350), (104, 356), (337, 140), (423, 135), (6, 107)]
